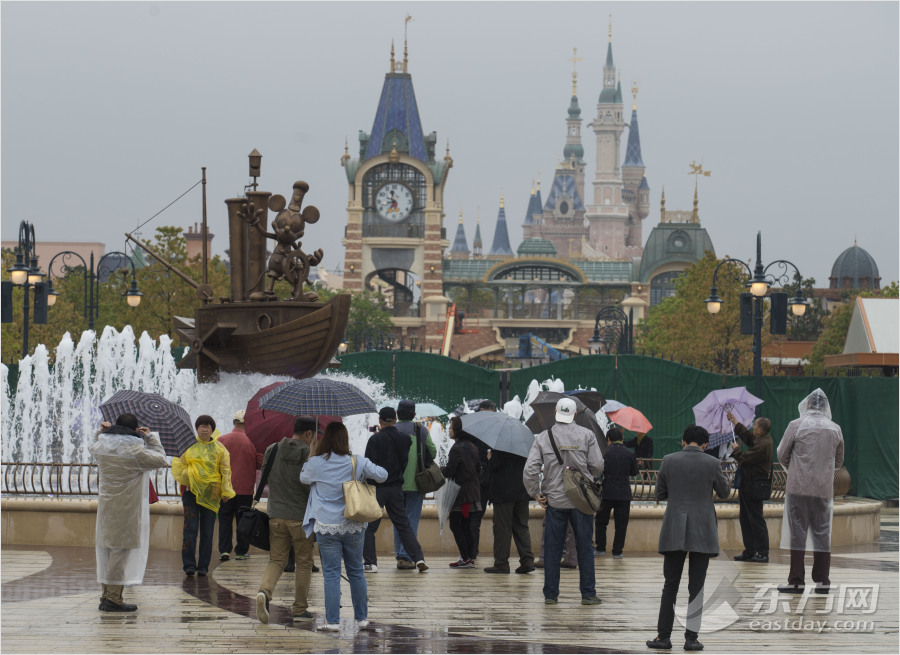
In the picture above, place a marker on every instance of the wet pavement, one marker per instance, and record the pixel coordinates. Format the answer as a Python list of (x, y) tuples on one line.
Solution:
[(50, 597)]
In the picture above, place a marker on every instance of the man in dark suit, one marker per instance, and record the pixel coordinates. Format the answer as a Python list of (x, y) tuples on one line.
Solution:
[(686, 480), (621, 464)]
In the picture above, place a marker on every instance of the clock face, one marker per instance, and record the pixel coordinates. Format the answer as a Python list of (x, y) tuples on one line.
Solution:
[(394, 201), (573, 131)]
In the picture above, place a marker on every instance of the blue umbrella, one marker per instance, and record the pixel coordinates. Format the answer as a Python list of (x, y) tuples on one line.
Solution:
[(318, 396)]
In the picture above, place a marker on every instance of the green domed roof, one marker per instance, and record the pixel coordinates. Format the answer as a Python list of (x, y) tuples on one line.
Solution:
[(541, 247)]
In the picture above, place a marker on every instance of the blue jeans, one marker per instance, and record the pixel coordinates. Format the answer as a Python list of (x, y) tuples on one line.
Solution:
[(196, 519), (555, 536), (332, 549), (414, 501)]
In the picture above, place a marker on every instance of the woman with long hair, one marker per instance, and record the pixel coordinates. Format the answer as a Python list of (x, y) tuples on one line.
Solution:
[(338, 538), (463, 466)]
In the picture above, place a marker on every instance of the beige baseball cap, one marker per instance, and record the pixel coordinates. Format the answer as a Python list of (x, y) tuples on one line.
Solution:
[(239, 416)]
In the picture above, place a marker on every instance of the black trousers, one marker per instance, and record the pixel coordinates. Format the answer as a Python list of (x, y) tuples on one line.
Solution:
[(462, 529), (673, 566), (621, 510), (393, 501), (753, 525), (228, 513)]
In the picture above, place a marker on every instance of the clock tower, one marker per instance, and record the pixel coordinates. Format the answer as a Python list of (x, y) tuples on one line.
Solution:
[(395, 237)]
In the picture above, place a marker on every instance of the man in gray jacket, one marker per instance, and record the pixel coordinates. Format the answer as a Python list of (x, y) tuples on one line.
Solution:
[(286, 509), (686, 480), (578, 449)]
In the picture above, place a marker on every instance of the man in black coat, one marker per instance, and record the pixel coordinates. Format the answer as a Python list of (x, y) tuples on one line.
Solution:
[(621, 464), (389, 449), (507, 492), (756, 463)]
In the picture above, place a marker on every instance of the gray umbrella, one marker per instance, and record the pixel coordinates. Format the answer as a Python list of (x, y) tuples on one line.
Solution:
[(499, 431)]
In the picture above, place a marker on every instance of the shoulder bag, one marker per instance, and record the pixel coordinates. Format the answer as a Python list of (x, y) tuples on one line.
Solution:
[(360, 503), (428, 478), (253, 524), (586, 494), (761, 488)]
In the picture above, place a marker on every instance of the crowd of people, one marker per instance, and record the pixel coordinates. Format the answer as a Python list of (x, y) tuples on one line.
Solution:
[(305, 473)]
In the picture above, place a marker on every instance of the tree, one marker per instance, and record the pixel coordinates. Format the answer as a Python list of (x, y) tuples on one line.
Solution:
[(369, 320), (809, 326), (681, 327)]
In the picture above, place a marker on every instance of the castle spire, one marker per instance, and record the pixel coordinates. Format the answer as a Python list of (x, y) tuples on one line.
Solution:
[(460, 244), (501, 235), (633, 150)]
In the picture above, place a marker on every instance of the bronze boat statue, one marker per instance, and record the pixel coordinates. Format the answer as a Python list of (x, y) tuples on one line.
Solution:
[(254, 331)]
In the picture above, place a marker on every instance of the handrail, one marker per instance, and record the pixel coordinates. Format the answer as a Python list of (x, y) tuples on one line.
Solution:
[(81, 479)]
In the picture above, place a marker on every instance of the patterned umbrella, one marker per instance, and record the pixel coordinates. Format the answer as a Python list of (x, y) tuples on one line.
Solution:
[(317, 396), (172, 422), (265, 428)]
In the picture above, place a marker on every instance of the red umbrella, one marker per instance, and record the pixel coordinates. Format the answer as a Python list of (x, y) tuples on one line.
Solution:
[(264, 430), (630, 419)]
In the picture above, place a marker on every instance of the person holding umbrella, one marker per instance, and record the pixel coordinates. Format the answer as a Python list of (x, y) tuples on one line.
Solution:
[(204, 471), (463, 467), (510, 499), (124, 454), (756, 462)]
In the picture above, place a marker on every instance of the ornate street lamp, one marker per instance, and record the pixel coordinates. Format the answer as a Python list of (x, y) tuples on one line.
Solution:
[(760, 281), (27, 274), (615, 331)]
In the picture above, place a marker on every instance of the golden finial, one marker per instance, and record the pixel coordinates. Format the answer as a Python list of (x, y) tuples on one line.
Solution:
[(392, 56), (501, 200), (575, 59), (610, 28), (532, 186), (447, 157), (460, 215), (346, 156), (405, 51), (539, 184), (393, 155), (634, 92), (695, 217)]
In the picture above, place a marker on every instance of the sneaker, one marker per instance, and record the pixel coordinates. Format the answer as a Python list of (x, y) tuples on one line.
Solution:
[(262, 607), (405, 565), (224, 557), (306, 616), (660, 643), (363, 624), (617, 556), (370, 568), (590, 600), (422, 566), (331, 627), (458, 564), (550, 601), (598, 552), (244, 556), (468, 564)]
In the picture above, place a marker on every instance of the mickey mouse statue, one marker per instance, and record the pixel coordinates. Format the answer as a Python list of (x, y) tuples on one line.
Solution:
[(288, 261)]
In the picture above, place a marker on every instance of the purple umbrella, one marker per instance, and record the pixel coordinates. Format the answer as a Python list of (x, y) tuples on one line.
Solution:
[(711, 412)]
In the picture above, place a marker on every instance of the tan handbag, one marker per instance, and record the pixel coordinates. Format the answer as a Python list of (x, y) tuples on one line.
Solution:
[(360, 503)]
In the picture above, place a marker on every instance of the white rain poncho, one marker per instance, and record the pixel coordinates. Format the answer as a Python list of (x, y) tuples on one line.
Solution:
[(811, 449), (123, 508)]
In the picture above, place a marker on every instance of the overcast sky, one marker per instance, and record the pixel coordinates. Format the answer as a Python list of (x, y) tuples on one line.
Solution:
[(109, 111)]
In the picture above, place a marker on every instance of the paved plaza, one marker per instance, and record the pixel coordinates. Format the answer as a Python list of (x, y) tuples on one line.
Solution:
[(50, 597)]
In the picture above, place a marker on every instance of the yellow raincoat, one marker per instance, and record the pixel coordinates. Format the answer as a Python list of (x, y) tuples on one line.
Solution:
[(205, 469)]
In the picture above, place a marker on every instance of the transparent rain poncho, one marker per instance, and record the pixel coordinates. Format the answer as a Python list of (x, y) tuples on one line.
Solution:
[(811, 449), (123, 507), (205, 469)]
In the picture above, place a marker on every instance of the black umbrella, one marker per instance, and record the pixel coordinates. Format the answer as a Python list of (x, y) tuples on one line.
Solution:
[(593, 399), (172, 422), (544, 416)]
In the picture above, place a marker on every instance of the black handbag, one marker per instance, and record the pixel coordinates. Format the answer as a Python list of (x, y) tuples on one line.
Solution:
[(428, 478), (761, 488), (253, 524)]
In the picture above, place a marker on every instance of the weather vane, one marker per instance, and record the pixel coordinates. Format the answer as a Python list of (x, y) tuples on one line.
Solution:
[(696, 170)]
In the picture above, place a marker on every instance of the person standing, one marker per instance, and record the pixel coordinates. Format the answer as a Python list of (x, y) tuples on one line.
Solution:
[(390, 449), (620, 465), (810, 450), (245, 461), (463, 468), (687, 480), (124, 454), (339, 539), (483, 481), (412, 497), (642, 445), (756, 463), (510, 499), (288, 498), (204, 471), (579, 450)]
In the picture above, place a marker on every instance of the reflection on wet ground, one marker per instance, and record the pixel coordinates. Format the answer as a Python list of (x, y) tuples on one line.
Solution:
[(50, 594)]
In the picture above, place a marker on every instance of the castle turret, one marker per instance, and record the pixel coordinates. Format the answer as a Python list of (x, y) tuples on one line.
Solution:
[(501, 245), (460, 249)]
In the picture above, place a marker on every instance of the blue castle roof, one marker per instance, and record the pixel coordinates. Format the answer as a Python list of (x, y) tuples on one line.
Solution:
[(397, 120), (633, 151), (501, 236)]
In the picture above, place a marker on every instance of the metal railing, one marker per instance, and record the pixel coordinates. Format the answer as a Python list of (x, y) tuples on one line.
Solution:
[(81, 479)]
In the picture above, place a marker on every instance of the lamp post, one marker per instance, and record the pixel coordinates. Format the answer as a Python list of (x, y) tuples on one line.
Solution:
[(25, 273), (108, 263), (616, 330), (760, 281)]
